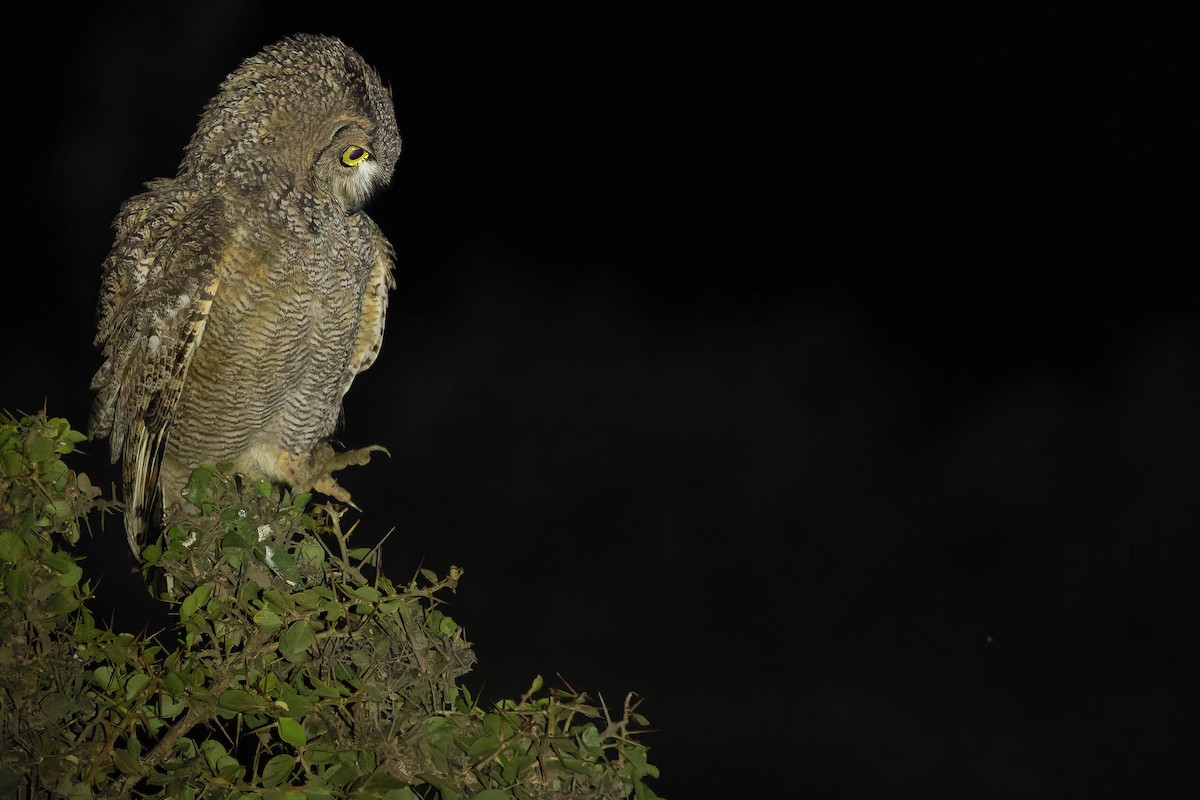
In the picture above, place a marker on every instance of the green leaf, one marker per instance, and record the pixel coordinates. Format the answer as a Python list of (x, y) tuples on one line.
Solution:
[(643, 792), (321, 754), (280, 601), (169, 707), (80, 791), (292, 732), (125, 761), (441, 733), (135, 684), (248, 591), (280, 561), (483, 746), (297, 705), (294, 643), (40, 449), (12, 549), (176, 683), (368, 593), (492, 794), (11, 461), (61, 604), (381, 780), (492, 724), (71, 576), (14, 584), (310, 553), (434, 620), (195, 600), (391, 606), (152, 552), (57, 705), (102, 677), (333, 611), (401, 794), (240, 700), (268, 619), (277, 770), (442, 786), (342, 775), (234, 542), (57, 561), (228, 769), (198, 485), (56, 473), (67, 441)]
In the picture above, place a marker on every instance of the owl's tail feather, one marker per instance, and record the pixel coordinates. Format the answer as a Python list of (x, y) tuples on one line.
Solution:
[(143, 452)]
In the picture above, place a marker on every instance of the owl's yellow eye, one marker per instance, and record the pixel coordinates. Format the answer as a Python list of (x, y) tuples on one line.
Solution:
[(354, 155)]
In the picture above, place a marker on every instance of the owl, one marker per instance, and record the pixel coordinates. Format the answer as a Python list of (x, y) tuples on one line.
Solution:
[(242, 297)]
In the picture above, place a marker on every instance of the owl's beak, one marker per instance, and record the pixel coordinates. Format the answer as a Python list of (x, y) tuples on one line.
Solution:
[(353, 208)]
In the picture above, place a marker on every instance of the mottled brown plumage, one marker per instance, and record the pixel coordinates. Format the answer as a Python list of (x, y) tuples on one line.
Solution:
[(242, 296)]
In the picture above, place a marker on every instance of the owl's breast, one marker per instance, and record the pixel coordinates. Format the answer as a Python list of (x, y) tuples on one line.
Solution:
[(269, 369)]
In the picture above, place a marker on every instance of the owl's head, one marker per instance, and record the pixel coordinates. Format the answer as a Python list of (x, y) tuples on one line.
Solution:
[(306, 116)]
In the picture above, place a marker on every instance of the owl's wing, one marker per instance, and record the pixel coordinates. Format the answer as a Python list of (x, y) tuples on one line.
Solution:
[(159, 284), (375, 299)]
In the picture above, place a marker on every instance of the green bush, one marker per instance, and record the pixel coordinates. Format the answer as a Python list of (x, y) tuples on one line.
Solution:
[(295, 669)]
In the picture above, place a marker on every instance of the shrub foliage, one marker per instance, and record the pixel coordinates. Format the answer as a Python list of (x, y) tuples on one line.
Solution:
[(295, 668)]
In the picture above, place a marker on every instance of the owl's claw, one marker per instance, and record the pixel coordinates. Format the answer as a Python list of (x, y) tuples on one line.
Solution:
[(323, 461)]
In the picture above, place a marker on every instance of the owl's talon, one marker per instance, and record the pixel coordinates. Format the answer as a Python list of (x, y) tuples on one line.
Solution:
[(324, 461)]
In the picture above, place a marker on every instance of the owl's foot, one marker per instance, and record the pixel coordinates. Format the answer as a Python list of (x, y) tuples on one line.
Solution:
[(318, 467)]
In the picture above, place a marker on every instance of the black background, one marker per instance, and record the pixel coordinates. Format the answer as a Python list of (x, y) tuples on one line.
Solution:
[(828, 379)]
